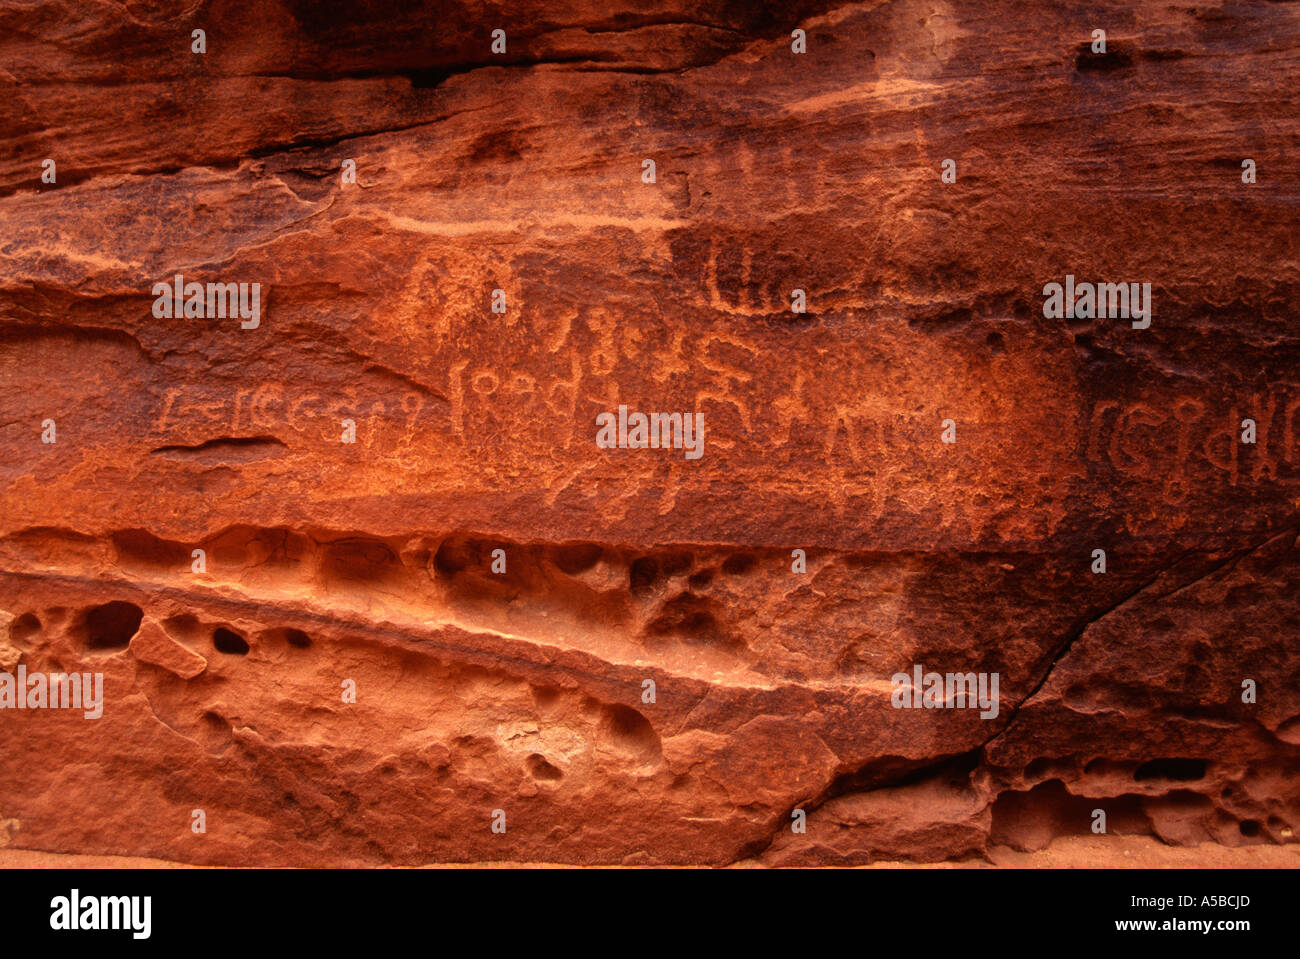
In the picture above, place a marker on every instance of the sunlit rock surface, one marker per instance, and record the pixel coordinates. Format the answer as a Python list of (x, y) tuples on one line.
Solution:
[(327, 563)]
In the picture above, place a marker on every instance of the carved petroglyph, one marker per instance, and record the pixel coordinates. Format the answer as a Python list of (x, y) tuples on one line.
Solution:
[(837, 419), (1169, 441)]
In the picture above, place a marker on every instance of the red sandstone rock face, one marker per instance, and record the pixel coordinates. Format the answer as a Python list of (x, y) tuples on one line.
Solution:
[(524, 691)]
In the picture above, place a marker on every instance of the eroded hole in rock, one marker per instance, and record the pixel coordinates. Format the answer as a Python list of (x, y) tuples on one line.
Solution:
[(359, 561), (1248, 828), (1289, 731), (1045, 768), (22, 629), (1178, 770), (686, 615), (111, 626), (577, 558), (630, 732), (700, 579), (1107, 767), (1029, 821), (297, 638), (215, 732), (229, 642), (185, 627), (898, 771), (699, 623), (293, 637), (547, 698), (456, 555), (674, 564), (643, 575), (539, 768), (739, 563), (138, 547)]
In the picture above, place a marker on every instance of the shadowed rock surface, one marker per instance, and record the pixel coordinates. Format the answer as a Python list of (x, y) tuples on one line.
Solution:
[(523, 691)]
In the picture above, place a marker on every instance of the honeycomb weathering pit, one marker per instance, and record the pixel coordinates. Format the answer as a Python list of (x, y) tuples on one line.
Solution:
[(712, 433)]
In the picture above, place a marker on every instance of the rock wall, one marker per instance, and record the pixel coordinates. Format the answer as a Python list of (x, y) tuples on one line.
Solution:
[(648, 672)]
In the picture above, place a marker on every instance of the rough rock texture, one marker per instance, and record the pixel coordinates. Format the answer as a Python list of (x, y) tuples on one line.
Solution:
[(522, 691)]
